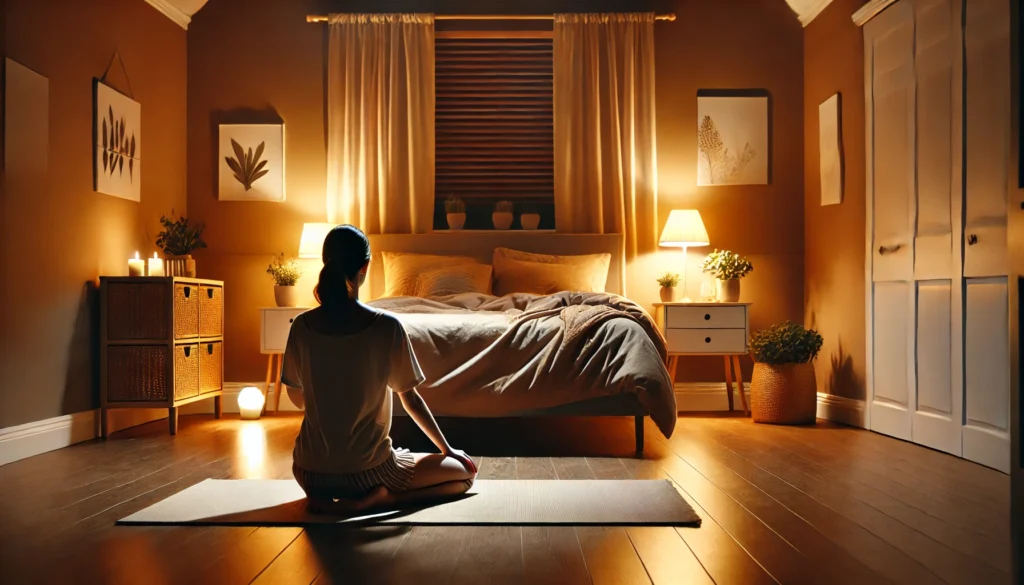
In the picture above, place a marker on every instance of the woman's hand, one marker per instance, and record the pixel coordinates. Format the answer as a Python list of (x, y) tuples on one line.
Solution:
[(460, 456)]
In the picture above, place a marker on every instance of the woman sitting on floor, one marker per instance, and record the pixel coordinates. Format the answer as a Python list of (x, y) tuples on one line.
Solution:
[(342, 361)]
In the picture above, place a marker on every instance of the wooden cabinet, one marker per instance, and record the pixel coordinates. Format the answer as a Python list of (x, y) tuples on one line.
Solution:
[(161, 344)]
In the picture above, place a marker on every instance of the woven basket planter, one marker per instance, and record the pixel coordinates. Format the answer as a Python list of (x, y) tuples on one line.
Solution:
[(783, 393)]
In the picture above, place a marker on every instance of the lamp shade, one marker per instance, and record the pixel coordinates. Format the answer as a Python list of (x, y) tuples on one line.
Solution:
[(312, 243), (684, 229)]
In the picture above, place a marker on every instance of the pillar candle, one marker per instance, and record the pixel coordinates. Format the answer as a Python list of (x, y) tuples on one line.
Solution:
[(136, 266), (156, 266)]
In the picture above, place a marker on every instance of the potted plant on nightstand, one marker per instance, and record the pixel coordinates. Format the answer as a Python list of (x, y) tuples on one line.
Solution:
[(455, 212), (503, 215), (728, 268), (177, 240), (668, 282), (783, 389), (286, 273)]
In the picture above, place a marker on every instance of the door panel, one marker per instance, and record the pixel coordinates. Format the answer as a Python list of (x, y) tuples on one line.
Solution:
[(937, 419), (987, 368), (891, 405)]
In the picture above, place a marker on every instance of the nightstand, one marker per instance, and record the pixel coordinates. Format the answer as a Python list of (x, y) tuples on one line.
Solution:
[(275, 324), (708, 329)]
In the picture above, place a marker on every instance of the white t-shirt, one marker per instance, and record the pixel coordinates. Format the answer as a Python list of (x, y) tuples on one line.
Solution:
[(344, 380)]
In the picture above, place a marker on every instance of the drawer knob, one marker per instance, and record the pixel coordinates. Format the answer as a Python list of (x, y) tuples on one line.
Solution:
[(972, 239), (707, 317), (292, 320), (707, 340), (209, 292), (188, 291)]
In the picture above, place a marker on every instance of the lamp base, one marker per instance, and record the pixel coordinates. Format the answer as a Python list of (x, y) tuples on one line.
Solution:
[(685, 299)]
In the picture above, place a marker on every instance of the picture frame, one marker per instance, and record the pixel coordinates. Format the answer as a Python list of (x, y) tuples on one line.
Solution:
[(117, 143), (733, 137), (251, 162)]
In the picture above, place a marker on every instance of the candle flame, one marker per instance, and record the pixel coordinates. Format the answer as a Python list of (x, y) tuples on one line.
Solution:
[(136, 255), (154, 254)]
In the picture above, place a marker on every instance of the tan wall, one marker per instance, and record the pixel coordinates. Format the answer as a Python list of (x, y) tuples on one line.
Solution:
[(262, 62), (59, 235), (834, 235)]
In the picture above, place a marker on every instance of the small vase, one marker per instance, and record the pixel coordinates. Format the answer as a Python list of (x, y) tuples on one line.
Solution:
[(456, 220), (783, 393), (285, 296), (502, 220), (182, 265), (668, 294), (729, 290), (529, 221)]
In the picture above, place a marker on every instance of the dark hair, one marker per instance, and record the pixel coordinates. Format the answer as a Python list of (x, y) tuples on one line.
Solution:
[(346, 251)]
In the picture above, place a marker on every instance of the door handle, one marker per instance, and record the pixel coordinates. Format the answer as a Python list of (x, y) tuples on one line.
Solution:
[(883, 250), (972, 239)]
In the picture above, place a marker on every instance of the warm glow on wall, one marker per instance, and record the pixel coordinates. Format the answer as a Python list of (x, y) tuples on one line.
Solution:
[(312, 243)]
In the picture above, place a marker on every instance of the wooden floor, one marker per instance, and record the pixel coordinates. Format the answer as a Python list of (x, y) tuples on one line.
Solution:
[(827, 504)]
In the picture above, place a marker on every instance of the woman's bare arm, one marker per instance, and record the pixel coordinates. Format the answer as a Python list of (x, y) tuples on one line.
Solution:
[(418, 410)]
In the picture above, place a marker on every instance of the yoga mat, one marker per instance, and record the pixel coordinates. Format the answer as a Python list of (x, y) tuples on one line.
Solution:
[(280, 502)]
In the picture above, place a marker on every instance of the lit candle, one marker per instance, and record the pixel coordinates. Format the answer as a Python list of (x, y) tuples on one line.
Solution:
[(136, 266), (156, 266)]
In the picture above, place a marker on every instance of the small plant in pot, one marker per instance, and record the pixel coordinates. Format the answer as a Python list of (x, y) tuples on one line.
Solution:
[(783, 389), (455, 212), (285, 272), (668, 282), (503, 215), (177, 240), (728, 268), (529, 218)]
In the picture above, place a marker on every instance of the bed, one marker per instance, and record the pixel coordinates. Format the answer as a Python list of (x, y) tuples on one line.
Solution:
[(514, 354)]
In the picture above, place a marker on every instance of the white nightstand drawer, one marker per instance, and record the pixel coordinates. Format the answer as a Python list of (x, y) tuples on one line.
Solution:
[(713, 341), (276, 325), (704, 317)]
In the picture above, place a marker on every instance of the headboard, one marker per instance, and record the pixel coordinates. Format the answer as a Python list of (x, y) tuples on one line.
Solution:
[(481, 245)]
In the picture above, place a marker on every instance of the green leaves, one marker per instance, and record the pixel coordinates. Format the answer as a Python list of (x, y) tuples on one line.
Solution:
[(726, 266), (454, 204), (668, 279), (246, 165), (786, 343), (178, 236)]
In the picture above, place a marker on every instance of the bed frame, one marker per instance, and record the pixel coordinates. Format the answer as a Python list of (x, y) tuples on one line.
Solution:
[(480, 245)]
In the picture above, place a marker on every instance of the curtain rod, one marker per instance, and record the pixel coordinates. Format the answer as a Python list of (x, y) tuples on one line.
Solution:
[(323, 18)]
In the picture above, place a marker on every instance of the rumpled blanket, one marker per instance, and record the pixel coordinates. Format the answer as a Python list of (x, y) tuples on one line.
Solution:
[(504, 356)]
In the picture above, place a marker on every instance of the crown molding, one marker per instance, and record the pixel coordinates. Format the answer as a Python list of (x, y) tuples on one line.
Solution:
[(171, 11), (813, 11), (870, 10)]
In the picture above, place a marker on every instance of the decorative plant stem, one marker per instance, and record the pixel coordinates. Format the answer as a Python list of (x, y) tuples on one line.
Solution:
[(246, 165)]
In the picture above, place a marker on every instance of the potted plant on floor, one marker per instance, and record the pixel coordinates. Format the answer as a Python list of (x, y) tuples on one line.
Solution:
[(177, 240), (285, 272), (503, 215), (728, 268), (783, 389), (668, 282), (455, 212)]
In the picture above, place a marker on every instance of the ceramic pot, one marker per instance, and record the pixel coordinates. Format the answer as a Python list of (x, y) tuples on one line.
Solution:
[(529, 221), (502, 220), (183, 265), (456, 220), (668, 294), (783, 394), (729, 290), (285, 296)]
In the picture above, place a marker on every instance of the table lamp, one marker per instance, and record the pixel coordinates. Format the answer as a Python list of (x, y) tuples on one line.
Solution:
[(684, 229), (311, 244)]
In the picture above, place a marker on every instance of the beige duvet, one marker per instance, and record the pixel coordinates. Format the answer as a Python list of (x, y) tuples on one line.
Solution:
[(502, 356)]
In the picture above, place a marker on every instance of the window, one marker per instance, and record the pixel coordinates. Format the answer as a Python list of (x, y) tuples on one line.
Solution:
[(494, 130)]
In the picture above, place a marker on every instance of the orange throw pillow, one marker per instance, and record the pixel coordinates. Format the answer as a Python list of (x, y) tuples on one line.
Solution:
[(516, 271)]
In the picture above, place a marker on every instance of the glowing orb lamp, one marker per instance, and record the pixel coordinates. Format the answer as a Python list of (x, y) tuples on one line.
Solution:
[(250, 403)]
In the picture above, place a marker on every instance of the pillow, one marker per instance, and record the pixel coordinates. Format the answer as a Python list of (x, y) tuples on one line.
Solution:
[(516, 271), (453, 280), (402, 270)]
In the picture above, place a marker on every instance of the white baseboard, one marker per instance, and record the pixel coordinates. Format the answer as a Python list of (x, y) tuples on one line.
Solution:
[(229, 400), (38, 437), (707, 397), (845, 411)]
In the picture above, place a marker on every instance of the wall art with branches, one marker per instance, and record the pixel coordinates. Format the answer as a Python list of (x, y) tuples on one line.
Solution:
[(251, 162)]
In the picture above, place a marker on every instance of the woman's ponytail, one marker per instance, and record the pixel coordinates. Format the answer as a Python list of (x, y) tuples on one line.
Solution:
[(346, 251)]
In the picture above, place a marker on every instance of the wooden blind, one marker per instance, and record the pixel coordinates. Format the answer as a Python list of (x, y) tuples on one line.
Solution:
[(493, 119)]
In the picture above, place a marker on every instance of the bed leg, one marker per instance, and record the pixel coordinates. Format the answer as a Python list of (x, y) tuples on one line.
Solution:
[(638, 427)]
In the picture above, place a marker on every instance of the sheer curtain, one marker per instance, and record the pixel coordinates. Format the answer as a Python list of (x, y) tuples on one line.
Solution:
[(606, 178), (380, 122)]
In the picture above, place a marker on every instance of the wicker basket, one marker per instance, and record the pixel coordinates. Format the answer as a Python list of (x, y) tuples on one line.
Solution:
[(141, 311), (211, 364), (186, 371), (211, 313), (137, 373), (783, 393), (186, 310)]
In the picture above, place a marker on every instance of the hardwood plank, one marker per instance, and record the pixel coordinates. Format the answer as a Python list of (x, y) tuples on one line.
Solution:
[(299, 563), (610, 556), (497, 468), (362, 555), (572, 468), (535, 468), (607, 468), (666, 557), (552, 556), (429, 554), (490, 554)]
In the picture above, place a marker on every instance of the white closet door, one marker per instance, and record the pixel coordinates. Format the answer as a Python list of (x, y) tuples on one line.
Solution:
[(986, 432), (938, 412), (889, 63)]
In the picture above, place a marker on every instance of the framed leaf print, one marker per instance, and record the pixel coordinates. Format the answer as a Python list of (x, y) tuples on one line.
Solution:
[(251, 162), (118, 143), (733, 138)]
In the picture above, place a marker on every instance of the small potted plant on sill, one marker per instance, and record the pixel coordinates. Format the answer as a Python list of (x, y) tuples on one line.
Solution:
[(455, 212), (668, 282), (728, 268), (177, 240), (783, 389), (503, 215), (529, 218), (285, 272)]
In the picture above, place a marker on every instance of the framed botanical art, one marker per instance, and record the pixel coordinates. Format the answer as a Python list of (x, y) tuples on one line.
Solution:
[(117, 127), (830, 160), (251, 162), (732, 139)]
